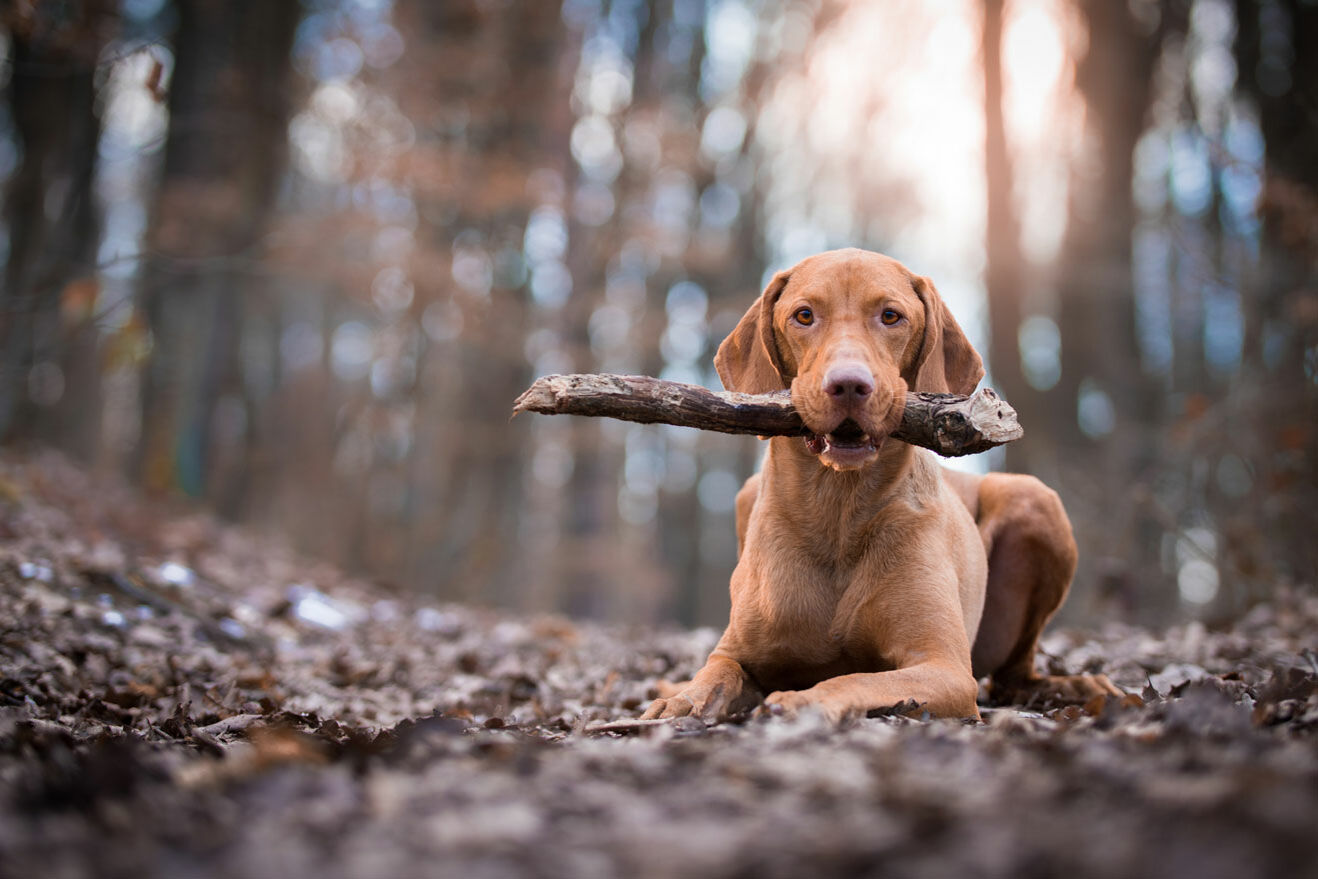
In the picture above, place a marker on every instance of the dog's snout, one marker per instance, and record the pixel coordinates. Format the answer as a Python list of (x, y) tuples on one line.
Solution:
[(851, 381)]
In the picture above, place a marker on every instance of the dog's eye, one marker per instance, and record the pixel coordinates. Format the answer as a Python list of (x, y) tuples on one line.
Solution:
[(804, 316), (889, 317)]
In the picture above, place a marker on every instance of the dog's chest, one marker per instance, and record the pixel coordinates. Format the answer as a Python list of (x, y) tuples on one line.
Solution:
[(808, 627)]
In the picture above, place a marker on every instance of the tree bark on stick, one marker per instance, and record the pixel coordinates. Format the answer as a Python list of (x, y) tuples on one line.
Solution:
[(948, 424)]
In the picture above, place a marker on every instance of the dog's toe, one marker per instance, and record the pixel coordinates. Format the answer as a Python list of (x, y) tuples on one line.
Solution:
[(673, 706), (794, 703), (784, 703), (1055, 690)]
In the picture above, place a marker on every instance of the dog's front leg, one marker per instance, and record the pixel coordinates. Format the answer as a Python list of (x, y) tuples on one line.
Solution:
[(943, 689), (718, 690)]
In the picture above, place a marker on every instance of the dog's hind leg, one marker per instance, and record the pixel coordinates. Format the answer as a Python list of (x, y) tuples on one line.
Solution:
[(1031, 560)]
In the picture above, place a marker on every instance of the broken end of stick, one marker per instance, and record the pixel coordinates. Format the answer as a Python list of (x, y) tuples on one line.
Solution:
[(976, 424), (993, 417), (541, 396)]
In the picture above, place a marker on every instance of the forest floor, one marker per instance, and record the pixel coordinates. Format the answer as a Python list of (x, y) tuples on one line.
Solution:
[(179, 698)]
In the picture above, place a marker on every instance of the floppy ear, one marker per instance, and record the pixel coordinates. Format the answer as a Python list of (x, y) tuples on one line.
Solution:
[(748, 360), (947, 363)]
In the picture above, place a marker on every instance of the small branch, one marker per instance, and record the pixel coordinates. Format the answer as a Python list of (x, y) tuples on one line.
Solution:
[(949, 424)]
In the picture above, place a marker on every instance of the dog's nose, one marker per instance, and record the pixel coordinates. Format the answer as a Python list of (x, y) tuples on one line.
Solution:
[(849, 381)]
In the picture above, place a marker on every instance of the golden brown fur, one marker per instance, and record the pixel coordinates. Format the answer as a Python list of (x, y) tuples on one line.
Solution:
[(869, 576)]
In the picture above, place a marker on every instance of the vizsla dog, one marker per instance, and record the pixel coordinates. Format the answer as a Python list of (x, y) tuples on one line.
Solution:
[(868, 576)]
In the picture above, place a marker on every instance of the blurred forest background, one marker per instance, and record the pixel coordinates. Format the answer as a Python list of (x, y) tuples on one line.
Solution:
[(295, 260)]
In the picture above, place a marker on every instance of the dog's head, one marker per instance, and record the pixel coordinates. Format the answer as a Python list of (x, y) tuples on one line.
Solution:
[(849, 332)]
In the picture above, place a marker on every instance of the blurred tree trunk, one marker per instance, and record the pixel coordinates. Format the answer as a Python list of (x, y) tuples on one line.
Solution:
[(1278, 71), (1100, 354), (51, 216), (1005, 275), (228, 105), (674, 530), (732, 283), (496, 107)]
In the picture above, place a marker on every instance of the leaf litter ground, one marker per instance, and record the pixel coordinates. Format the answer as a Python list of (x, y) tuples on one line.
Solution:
[(179, 698)]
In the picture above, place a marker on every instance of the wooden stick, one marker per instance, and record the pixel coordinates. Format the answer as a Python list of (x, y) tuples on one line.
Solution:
[(949, 424)]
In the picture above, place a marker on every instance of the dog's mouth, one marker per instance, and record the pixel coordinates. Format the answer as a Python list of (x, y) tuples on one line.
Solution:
[(847, 440)]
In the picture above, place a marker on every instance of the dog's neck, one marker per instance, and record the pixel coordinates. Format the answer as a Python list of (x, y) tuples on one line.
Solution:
[(845, 505)]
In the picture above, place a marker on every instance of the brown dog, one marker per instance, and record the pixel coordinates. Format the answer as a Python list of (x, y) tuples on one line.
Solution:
[(869, 576)]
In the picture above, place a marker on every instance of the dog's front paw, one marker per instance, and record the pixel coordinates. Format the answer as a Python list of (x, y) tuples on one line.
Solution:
[(791, 703), (704, 702)]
